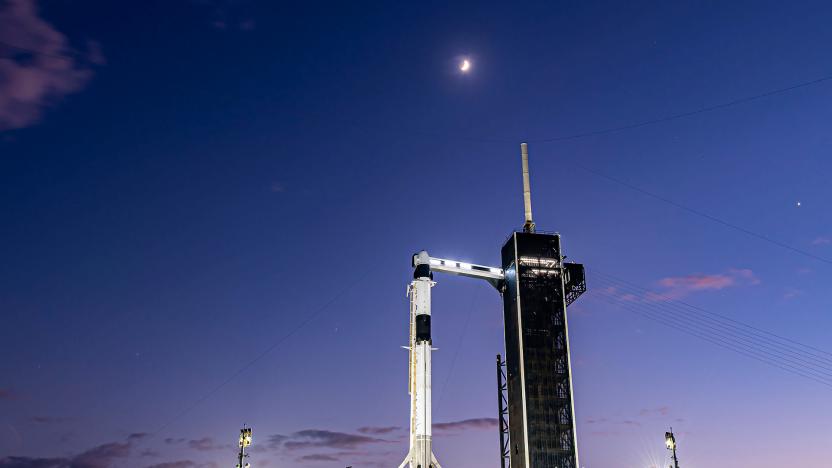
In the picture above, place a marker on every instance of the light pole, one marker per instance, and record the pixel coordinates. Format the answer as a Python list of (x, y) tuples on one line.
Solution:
[(245, 441), (670, 442)]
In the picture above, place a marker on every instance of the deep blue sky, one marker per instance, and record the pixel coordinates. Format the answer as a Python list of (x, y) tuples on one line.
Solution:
[(206, 175)]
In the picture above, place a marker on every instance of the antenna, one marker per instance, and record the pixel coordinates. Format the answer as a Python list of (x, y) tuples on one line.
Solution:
[(528, 226)]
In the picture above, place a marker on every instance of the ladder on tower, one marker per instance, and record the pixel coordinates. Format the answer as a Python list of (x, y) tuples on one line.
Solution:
[(502, 414)]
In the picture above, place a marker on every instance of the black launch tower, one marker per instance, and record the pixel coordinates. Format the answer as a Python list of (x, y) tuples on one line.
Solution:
[(538, 287)]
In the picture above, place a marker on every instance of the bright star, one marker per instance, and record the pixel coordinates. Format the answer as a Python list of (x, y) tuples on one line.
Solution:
[(465, 65)]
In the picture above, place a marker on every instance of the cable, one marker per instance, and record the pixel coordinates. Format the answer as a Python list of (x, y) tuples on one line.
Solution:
[(689, 310), (761, 351), (691, 313), (668, 201), (721, 343), (263, 354), (696, 309), (703, 215), (766, 347), (667, 118), (682, 115), (669, 317), (456, 352)]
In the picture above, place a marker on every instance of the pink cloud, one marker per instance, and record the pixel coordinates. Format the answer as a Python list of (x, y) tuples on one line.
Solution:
[(37, 67), (822, 240), (697, 282), (681, 286), (660, 411), (791, 293), (8, 394)]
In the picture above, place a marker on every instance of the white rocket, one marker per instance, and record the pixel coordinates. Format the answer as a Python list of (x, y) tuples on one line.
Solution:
[(421, 451)]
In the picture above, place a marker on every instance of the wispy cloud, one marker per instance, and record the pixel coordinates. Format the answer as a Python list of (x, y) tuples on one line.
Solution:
[(38, 66), (176, 464), (822, 240), (328, 439), (607, 424), (107, 455), (466, 424), (226, 15), (315, 457), (357, 457), (102, 456), (8, 394), (184, 464), (660, 411), (277, 187), (596, 420), (677, 287), (276, 440), (791, 293), (378, 430), (205, 444), (51, 419), (313, 447)]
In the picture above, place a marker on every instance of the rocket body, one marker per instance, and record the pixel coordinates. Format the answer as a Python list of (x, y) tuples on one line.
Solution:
[(419, 381)]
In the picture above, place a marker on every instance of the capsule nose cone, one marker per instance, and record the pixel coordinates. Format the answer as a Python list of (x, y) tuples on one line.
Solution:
[(421, 258)]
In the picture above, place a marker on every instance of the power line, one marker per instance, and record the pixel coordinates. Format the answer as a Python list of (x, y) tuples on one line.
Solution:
[(456, 352), (701, 214), (682, 115), (639, 309), (698, 315), (685, 319), (668, 201), (765, 346), (696, 309), (601, 131), (263, 354), (719, 342)]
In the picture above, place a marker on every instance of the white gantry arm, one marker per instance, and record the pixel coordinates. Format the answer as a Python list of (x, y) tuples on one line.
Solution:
[(493, 275)]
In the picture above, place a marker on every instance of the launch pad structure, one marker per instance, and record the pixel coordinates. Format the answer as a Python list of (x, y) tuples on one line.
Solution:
[(536, 286)]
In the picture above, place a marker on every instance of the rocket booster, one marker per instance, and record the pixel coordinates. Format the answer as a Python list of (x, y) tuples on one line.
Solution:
[(419, 381)]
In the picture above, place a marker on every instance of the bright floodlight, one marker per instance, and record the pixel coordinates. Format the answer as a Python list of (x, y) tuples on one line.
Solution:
[(245, 437), (669, 440), (465, 66)]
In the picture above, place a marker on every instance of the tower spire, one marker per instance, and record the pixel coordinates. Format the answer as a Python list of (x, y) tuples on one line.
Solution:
[(528, 225)]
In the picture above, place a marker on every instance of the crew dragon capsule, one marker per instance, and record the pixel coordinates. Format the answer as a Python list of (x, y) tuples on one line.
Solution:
[(421, 452)]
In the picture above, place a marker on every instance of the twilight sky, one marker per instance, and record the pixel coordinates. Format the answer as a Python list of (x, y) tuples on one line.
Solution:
[(186, 186)]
